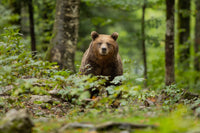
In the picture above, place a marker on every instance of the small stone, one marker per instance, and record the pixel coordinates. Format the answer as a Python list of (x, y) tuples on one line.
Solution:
[(40, 114), (41, 119), (126, 131), (44, 99), (54, 92)]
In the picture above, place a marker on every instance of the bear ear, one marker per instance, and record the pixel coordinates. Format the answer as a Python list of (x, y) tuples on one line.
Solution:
[(114, 35), (94, 35)]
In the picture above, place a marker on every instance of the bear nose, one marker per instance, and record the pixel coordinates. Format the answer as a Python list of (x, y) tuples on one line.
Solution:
[(103, 50)]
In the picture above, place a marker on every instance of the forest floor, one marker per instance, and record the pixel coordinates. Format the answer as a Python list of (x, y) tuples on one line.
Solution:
[(170, 110)]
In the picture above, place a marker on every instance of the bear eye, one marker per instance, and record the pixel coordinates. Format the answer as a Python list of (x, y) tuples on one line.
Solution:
[(99, 44), (108, 44)]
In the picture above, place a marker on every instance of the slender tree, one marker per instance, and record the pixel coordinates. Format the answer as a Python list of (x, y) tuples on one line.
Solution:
[(184, 33), (65, 33), (143, 42), (32, 31), (169, 43), (197, 37)]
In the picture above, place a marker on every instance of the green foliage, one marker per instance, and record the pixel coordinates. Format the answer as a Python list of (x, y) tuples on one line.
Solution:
[(123, 16), (173, 95), (125, 4), (177, 121), (156, 72), (5, 17), (44, 19), (16, 60), (21, 76), (122, 4), (78, 88), (22, 72)]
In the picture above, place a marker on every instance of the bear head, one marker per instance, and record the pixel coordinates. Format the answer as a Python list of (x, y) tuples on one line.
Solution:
[(104, 46)]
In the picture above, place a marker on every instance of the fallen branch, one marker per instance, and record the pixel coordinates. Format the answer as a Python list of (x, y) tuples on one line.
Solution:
[(76, 125), (106, 126), (122, 126)]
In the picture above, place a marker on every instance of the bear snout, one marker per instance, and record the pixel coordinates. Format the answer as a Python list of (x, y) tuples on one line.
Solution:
[(103, 50)]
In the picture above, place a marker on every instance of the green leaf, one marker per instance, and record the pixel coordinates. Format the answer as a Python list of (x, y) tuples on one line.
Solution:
[(84, 95)]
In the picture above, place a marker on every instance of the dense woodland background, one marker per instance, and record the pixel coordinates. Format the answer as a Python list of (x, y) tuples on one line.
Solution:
[(42, 43)]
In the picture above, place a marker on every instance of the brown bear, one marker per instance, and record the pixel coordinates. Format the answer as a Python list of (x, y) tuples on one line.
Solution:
[(102, 56)]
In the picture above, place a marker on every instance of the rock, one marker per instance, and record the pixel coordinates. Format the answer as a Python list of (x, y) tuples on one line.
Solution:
[(42, 119), (44, 98), (40, 114), (56, 110), (5, 90), (16, 122), (54, 92), (126, 131)]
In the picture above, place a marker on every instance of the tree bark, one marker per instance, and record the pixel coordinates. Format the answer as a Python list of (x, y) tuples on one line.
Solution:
[(169, 43), (197, 38), (184, 33), (63, 44), (32, 31), (143, 43)]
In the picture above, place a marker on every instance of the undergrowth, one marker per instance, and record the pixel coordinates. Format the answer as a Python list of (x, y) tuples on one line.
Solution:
[(22, 76)]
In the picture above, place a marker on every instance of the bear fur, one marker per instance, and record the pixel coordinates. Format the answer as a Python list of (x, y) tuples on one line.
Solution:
[(102, 56)]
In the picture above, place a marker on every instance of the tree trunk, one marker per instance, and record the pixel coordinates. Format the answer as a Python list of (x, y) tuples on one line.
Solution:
[(63, 44), (32, 32), (197, 38), (184, 33), (169, 43), (143, 43)]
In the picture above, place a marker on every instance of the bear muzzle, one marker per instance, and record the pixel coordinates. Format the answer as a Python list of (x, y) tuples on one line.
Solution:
[(103, 51)]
